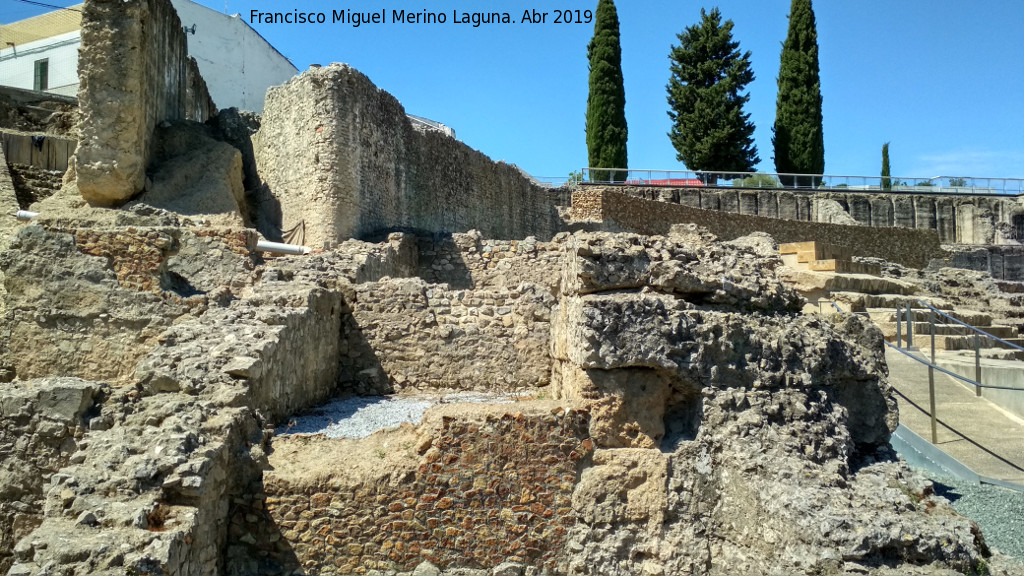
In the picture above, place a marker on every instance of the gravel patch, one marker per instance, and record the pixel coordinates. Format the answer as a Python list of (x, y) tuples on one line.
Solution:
[(359, 417), (998, 511)]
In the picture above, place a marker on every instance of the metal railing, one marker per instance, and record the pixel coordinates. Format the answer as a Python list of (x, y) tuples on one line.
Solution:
[(932, 366), (977, 331), (839, 182)]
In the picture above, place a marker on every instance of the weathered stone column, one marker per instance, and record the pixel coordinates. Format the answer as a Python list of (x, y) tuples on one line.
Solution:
[(903, 211), (859, 208), (881, 212)]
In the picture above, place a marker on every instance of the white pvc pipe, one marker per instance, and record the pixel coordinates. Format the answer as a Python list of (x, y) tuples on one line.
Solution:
[(279, 248), (25, 215)]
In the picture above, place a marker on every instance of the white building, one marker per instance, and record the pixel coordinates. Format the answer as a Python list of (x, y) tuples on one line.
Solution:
[(41, 53)]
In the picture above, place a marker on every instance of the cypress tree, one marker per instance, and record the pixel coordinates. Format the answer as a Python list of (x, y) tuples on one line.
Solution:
[(606, 103), (886, 181), (710, 131), (797, 135)]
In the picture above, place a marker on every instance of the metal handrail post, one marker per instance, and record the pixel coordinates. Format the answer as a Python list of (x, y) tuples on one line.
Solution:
[(899, 326), (910, 327), (977, 363), (931, 383)]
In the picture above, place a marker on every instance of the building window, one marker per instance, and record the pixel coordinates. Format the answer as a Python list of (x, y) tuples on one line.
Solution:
[(42, 75)]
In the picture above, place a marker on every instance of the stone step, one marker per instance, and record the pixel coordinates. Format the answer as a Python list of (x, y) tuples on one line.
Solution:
[(922, 315), (844, 266), (967, 342), (813, 250), (1010, 286), (900, 300), (923, 329)]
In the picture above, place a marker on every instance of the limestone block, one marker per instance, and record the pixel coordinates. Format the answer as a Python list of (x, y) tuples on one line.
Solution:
[(945, 216), (747, 202), (627, 406), (924, 212), (625, 485), (767, 203), (788, 206), (832, 212), (195, 175), (729, 201), (881, 212), (689, 197), (860, 208), (903, 211)]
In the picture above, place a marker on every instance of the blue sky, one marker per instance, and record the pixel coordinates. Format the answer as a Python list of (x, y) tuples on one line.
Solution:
[(942, 80)]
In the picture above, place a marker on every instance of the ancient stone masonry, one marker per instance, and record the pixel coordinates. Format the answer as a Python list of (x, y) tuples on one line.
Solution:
[(106, 294), (691, 400), (405, 334), (344, 161), (475, 491), (966, 219), (618, 211), (135, 72), (722, 392), (148, 487), (470, 261), (41, 425), (650, 402)]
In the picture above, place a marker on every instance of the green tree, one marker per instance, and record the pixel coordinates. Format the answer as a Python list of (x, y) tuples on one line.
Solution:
[(886, 181), (958, 182), (759, 180), (710, 131), (606, 103), (797, 136)]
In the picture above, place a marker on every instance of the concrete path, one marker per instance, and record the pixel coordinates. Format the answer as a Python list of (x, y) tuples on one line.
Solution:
[(976, 432)]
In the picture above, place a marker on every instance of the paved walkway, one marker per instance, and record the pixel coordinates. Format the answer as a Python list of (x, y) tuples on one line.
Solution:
[(971, 429)]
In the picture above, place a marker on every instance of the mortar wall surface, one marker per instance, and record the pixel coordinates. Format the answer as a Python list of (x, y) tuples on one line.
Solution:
[(135, 72), (913, 248), (342, 158), (483, 491), (406, 334), (966, 219)]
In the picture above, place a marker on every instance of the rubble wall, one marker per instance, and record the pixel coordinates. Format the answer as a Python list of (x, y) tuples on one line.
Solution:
[(8, 195), (481, 491), (343, 161), (40, 427), (406, 334), (280, 354), (966, 219), (135, 72), (1002, 262), (97, 316), (471, 261), (912, 248)]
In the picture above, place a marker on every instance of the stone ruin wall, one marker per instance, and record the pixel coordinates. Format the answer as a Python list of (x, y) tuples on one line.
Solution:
[(118, 296), (343, 160), (408, 335), (39, 430), (694, 359), (476, 318), (961, 219), (484, 490), (689, 323), (912, 248), (134, 73)]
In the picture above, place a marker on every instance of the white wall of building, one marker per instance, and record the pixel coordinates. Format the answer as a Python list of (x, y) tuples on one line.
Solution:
[(17, 65), (236, 62)]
